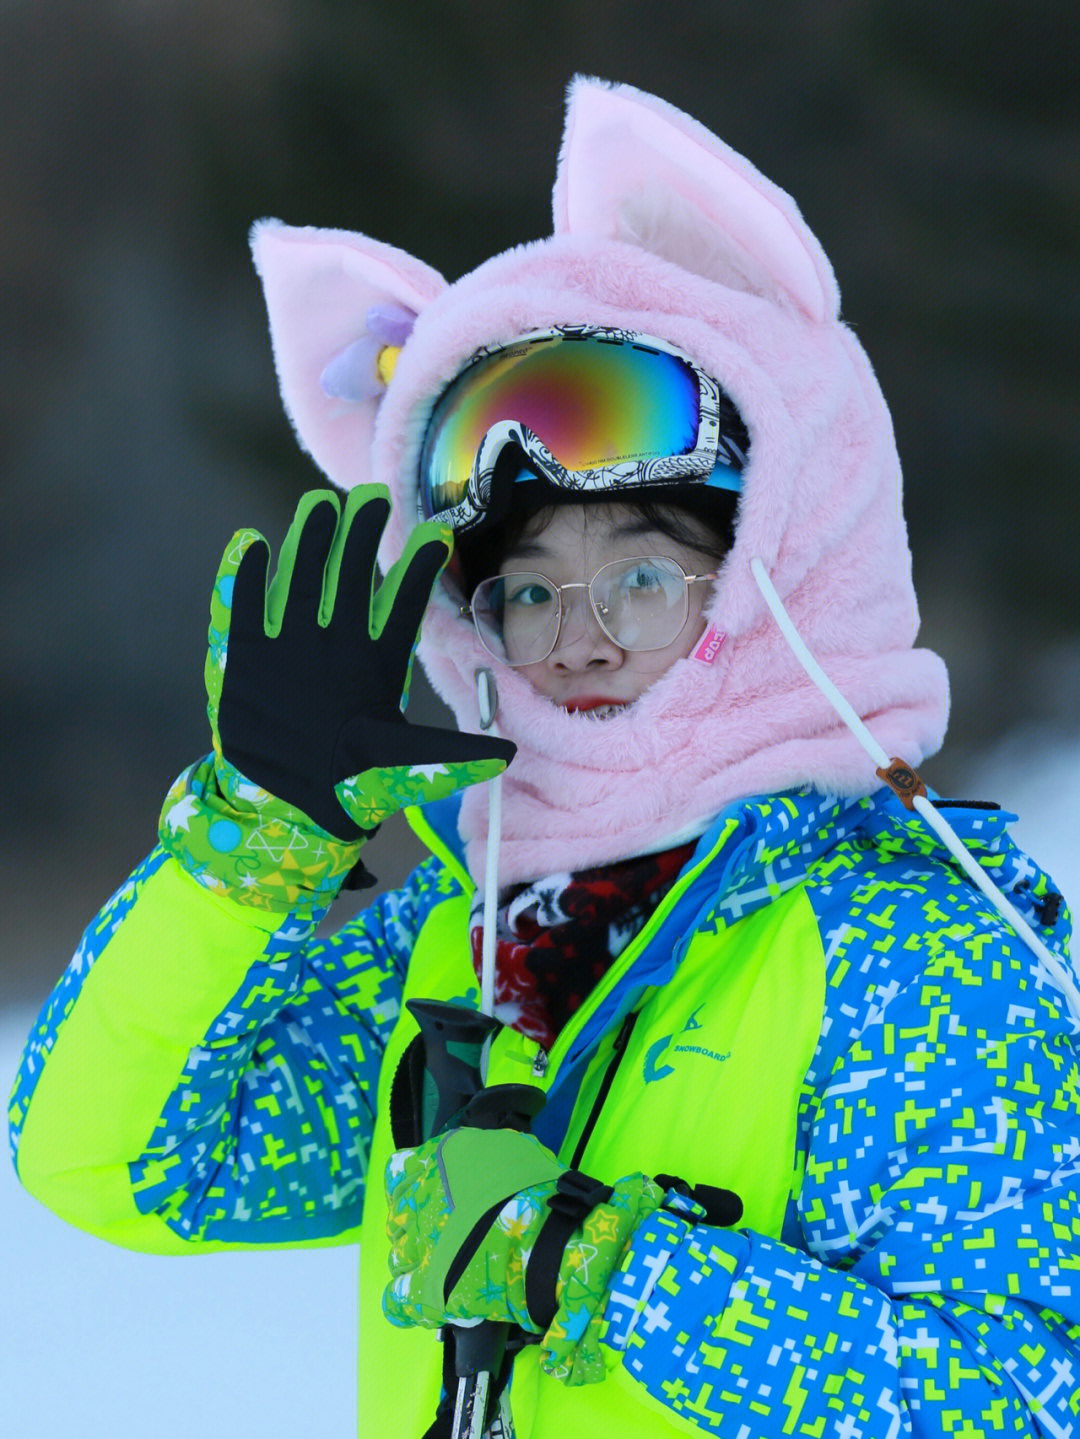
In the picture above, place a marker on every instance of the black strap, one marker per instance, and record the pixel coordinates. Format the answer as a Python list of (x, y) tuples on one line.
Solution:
[(471, 1244), (722, 1207), (576, 1195), (441, 1426), (966, 804)]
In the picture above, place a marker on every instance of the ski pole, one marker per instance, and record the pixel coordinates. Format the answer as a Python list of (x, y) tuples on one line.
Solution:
[(453, 1096)]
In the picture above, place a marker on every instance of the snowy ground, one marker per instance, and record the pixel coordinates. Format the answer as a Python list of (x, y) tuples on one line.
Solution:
[(101, 1342)]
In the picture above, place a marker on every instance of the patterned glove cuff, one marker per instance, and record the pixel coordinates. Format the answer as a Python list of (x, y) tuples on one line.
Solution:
[(571, 1346), (237, 840)]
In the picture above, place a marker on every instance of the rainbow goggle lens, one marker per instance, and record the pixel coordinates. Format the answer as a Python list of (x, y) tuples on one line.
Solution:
[(592, 409)]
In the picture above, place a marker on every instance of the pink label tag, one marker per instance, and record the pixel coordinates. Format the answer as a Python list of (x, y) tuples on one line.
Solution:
[(709, 646)]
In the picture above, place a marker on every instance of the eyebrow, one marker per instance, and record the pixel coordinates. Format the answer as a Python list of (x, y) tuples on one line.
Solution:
[(536, 549), (527, 550)]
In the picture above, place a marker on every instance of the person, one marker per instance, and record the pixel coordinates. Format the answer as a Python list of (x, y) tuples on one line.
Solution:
[(808, 1157)]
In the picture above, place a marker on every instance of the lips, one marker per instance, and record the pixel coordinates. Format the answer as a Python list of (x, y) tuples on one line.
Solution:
[(595, 707)]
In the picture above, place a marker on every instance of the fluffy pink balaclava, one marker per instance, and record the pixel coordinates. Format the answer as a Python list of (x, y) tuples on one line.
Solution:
[(660, 228)]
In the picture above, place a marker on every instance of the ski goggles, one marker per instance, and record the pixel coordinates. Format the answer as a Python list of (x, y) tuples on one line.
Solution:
[(640, 603), (592, 409)]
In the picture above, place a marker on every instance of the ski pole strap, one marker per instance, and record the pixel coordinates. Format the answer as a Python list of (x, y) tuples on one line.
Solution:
[(722, 1207), (576, 1195)]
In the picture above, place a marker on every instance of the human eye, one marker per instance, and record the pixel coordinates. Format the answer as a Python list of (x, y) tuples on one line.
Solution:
[(527, 592), (644, 576)]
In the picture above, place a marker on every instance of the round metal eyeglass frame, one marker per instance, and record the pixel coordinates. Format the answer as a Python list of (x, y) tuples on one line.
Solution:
[(598, 608)]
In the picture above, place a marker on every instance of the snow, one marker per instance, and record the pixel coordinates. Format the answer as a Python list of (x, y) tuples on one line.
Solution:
[(1035, 773), (100, 1341), (103, 1342)]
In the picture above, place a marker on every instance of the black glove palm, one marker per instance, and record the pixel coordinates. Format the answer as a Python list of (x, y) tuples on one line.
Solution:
[(308, 685)]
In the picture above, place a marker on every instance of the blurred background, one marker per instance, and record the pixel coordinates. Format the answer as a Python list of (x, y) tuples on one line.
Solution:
[(934, 151)]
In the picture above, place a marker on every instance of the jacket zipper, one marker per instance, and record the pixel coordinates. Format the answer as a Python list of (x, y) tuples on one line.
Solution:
[(545, 1063), (618, 1049)]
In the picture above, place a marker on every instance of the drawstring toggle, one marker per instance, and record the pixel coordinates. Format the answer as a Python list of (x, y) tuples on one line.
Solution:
[(903, 781)]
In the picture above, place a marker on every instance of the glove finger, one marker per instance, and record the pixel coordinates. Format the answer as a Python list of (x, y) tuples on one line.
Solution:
[(404, 1184), (244, 593), (244, 563), (375, 792), (350, 570), (391, 744), (400, 1171), (295, 594), (405, 593)]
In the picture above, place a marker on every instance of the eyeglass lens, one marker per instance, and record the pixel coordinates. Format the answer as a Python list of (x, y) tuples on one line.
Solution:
[(639, 603)]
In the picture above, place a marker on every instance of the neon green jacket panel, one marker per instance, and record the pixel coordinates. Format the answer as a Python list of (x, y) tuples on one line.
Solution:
[(204, 1073), (112, 1060), (700, 1091)]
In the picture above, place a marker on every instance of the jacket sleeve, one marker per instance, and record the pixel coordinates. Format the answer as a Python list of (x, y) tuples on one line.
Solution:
[(204, 1074), (928, 1279)]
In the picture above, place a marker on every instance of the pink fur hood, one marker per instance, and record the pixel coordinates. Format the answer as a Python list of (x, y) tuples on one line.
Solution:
[(661, 228)]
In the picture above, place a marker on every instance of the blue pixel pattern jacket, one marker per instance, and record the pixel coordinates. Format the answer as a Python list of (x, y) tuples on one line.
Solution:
[(212, 1092)]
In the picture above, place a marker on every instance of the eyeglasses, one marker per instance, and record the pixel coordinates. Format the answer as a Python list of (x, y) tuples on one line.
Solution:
[(591, 408), (640, 603)]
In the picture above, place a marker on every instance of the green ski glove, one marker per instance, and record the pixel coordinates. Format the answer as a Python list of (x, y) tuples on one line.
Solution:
[(306, 680), (488, 1224)]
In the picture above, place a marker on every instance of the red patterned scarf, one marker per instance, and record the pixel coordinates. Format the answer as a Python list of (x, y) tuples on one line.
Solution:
[(559, 935)]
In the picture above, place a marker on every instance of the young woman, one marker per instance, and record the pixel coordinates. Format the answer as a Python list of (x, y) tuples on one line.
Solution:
[(808, 1158)]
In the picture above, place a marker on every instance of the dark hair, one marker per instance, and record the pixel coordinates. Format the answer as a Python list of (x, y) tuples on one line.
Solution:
[(695, 515)]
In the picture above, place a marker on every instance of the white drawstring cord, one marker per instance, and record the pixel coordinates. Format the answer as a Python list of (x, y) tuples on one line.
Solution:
[(487, 699), (1051, 963)]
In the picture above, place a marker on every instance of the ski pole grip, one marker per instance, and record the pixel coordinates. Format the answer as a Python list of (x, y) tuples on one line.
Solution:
[(452, 1095), (480, 1349), (453, 1038), (504, 1106)]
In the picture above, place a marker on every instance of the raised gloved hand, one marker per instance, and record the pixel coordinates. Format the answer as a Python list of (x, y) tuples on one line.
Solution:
[(488, 1224), (306, 681), (309, 705)]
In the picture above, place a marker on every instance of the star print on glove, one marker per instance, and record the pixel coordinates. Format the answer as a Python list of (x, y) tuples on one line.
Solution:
[(470, 1216)]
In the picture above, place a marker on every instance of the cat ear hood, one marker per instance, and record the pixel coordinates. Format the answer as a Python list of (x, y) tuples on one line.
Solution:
[(659, 228)]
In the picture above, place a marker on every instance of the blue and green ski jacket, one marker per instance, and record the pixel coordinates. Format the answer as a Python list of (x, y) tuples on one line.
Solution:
[(823, 1014)]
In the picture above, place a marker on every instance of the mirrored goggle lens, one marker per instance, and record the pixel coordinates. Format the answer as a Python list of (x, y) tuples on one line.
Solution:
[(593, 402), (641, 604)]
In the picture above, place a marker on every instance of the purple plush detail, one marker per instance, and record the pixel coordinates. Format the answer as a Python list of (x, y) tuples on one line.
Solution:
[(390, 322), (353, 374)]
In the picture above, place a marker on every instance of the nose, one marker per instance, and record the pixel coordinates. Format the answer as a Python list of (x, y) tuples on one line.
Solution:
[(582, 644)]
